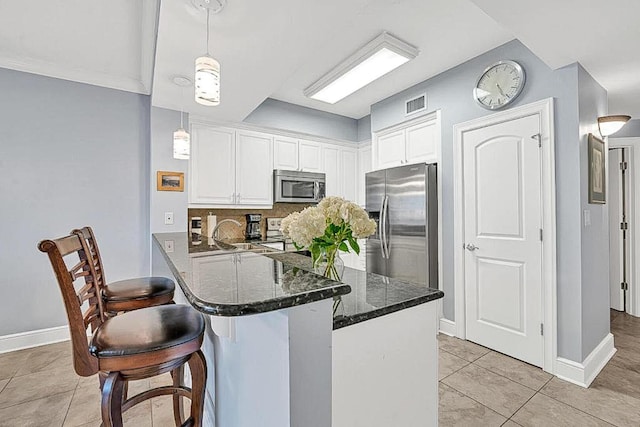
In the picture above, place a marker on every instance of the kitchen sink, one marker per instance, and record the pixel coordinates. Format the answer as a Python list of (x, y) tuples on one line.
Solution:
[(253, 247)]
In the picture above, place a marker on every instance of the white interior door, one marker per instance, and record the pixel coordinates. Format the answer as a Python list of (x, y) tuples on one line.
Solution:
[(502, 228), (616, 234)]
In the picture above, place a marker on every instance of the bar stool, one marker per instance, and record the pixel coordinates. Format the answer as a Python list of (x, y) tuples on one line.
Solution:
[(136, 345), (125, 295)]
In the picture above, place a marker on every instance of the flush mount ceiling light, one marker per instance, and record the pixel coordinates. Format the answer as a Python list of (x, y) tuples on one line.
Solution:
[(375, 59), (181, 138), (608, 125), (207, 91)]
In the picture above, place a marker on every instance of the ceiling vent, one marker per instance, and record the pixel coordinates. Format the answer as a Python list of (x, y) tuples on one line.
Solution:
[(415, 104)]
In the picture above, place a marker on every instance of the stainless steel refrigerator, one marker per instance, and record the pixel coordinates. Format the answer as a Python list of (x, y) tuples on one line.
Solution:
[(403, 201)]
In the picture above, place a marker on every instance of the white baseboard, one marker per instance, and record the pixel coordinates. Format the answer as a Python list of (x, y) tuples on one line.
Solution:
[(584, 373), (33, 338), (447, 327)]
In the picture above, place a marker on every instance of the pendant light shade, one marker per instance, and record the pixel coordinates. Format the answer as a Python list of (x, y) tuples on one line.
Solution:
[(181, 144), (207, 81)]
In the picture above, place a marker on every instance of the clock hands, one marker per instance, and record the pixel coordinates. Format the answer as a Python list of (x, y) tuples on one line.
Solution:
[(500, 89)]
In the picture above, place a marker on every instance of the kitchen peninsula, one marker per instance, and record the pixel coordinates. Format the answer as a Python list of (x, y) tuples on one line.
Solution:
[(279, 352)]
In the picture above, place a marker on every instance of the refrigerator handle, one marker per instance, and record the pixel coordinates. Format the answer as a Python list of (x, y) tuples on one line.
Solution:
[(382, 230), (385, 213)]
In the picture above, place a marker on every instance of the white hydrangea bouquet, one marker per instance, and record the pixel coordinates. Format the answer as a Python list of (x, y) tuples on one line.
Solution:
[(332, 226)]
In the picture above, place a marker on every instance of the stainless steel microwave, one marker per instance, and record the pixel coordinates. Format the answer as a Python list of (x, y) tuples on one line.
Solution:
[(298, 187)]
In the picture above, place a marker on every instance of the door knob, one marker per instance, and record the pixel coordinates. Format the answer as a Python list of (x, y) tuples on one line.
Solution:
[(471, 247)]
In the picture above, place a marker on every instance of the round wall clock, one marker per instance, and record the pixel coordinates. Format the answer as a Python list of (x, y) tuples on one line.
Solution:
[(499, 85)]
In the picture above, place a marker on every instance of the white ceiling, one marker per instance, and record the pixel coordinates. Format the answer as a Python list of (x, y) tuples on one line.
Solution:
[(105, 43), (277, 49)]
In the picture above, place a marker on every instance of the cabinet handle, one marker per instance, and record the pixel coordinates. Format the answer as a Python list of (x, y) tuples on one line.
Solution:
[(238, 200), (233, 198)]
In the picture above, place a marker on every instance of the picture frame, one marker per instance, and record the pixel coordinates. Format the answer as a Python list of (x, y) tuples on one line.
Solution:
[(597, 170), (170, 181)]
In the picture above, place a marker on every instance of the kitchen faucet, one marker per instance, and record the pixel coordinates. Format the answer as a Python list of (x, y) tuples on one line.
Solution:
[(215, 230)]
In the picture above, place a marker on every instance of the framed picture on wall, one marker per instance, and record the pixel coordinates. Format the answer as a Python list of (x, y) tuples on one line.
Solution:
[(170, 181), (597, 170)]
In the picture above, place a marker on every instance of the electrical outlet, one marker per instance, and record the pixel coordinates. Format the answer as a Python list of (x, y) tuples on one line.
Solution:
[(168, 245), (168, 218), (587, 217)]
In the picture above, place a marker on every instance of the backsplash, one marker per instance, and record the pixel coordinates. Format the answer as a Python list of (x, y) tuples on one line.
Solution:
[(230, 230)]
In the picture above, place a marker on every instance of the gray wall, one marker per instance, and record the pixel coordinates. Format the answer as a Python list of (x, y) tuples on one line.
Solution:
[(70, 155), (364, 128), (592, 103), (451, 92), (630, 130), (163, 124), (283, 115)]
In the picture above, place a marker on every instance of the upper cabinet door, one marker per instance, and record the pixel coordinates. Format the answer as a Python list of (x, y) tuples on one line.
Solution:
[(212, 165), (422, 143), (331, 167), (391, 149), (254, 173), (285, 153), (309, 156), (349, 176), (364, 167)]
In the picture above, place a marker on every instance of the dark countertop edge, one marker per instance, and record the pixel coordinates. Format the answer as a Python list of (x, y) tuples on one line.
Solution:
[(234, 310), (343, 321)]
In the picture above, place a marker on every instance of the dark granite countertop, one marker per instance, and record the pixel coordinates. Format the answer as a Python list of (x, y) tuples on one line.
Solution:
[(372, 295), (228, 282), (225, 281)]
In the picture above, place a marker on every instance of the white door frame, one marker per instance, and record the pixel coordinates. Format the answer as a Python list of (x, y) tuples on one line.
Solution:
[(544, 109), (633, 182)]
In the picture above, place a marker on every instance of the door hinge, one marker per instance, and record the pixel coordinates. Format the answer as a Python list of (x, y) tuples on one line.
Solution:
[(624, 226), (541, 233), (624, 286), (624, 166), (541, 329)]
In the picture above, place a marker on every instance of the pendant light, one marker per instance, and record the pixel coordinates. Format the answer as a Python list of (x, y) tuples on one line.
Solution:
[(181, 138), (207, 82)]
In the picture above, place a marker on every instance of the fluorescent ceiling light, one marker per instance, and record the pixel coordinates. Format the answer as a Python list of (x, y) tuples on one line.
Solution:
[(378, 57)]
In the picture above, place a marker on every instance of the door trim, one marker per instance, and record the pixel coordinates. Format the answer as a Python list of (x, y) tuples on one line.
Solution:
[(633, 182), (544, 109)]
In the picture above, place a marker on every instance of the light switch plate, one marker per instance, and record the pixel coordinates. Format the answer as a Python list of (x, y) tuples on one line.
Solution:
[(168, 218)]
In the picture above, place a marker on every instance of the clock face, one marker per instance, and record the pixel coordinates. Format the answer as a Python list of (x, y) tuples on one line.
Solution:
[(499, 85)]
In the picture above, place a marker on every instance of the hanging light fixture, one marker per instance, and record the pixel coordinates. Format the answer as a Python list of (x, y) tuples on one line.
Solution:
[(181, 138), (207, 82), (608, 125)]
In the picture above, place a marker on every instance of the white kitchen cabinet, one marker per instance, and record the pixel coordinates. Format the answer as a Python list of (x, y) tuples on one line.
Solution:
[(364, 166), (413, 142), (254, 183), (349, 173), (296, 154), (212, 178), (331, 169), (285, 153), (309, 159), (391, 149), (421, 143), (229, 167)]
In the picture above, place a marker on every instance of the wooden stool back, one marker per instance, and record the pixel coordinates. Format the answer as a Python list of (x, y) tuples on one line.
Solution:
[(60, 252), (93, 253)]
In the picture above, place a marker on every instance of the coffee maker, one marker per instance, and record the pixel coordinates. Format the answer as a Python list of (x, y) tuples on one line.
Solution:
[(253, 227)]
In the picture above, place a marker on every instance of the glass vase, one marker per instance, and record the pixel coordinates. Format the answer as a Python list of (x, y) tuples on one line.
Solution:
[(329, 264)]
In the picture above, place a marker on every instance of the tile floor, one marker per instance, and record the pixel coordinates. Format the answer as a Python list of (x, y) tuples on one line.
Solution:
[(478, 387)]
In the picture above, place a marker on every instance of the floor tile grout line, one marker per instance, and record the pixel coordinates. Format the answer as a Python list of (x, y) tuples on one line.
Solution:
[(462, 367), (467, 360), (33, 400), (510, 379), (578, 409), (70, 402), (479, 403)]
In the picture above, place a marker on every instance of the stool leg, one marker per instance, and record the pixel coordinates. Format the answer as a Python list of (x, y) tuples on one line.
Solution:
[(178, 409), (112, 392), (198, 367)]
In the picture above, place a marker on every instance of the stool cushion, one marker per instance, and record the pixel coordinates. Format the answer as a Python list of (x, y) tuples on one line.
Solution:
[(146, 330), (136, 289)]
